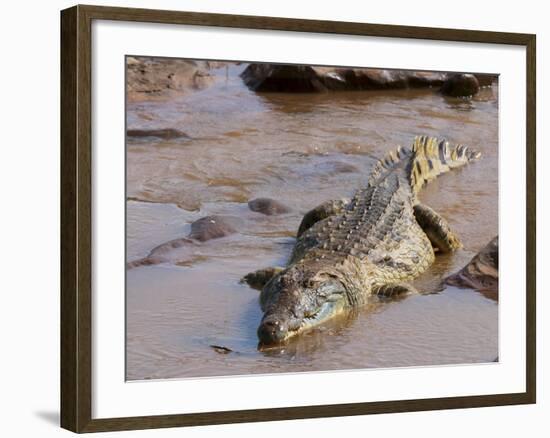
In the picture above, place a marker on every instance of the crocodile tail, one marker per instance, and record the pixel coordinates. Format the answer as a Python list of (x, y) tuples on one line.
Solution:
[(393, 159), (432, 157)]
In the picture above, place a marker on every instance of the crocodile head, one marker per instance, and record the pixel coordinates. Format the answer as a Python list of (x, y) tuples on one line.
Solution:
[(297, 300)]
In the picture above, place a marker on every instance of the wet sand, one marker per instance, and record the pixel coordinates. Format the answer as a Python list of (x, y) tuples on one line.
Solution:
[(300, 149)]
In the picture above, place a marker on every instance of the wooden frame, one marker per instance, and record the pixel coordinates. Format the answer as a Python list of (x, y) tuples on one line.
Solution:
[(76, 165)]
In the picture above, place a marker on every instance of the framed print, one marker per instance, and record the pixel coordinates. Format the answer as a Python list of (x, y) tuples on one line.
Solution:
[(267, 218)]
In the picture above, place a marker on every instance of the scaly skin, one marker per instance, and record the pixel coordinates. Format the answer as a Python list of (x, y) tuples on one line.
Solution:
[(348, 251)]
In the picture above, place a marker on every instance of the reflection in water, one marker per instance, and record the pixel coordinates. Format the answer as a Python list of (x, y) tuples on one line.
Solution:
[(316, 339), (301, 150)]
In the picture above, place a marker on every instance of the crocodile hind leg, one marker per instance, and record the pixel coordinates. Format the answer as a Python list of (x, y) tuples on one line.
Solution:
[(436, 228), (326, 209), (258, 279)]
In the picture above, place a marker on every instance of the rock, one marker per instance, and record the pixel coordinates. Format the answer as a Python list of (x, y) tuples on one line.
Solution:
[(202, 230), (167, 247), (282, 78), (303, 79), (381, 79), (268, 206), (158, 78), (481, 273), (145, 261), (221, 349), (165, 134), (158, 254), (214, 227), (460, 85)]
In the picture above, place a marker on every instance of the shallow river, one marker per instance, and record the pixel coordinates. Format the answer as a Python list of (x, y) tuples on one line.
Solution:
[(300, 149)]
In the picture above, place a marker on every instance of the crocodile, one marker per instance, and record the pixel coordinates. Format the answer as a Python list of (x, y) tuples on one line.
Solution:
[(350, 250)]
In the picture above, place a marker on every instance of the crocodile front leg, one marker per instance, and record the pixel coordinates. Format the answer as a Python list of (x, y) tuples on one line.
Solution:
[(326, 209), (395, 290), (258, 279), (436, 228)]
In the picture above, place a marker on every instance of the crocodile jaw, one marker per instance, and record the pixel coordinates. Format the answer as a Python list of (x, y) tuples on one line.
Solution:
[(278, 330), (328, 310)]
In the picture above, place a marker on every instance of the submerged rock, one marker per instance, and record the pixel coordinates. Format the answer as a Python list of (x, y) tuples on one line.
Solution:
[(268, 206), (481, 273), (165, 134), (202, 230), (460, 85), (158, 254), (304, 79), (221, 349), (150, 260), (214, 227)]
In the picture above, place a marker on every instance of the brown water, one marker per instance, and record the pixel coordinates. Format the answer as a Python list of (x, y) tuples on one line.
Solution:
[(301, 150)]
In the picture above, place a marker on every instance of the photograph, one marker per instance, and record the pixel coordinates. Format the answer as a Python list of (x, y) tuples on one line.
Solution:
[(290, 218)]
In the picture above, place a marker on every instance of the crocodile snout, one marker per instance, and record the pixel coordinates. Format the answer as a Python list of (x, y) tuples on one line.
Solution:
[(272, 331)]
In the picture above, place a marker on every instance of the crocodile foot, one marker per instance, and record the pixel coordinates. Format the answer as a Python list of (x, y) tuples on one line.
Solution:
[(397, 290), (436, 228), (258, 279)]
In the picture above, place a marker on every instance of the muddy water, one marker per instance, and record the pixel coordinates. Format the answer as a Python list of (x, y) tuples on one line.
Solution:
[(300, 150)]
